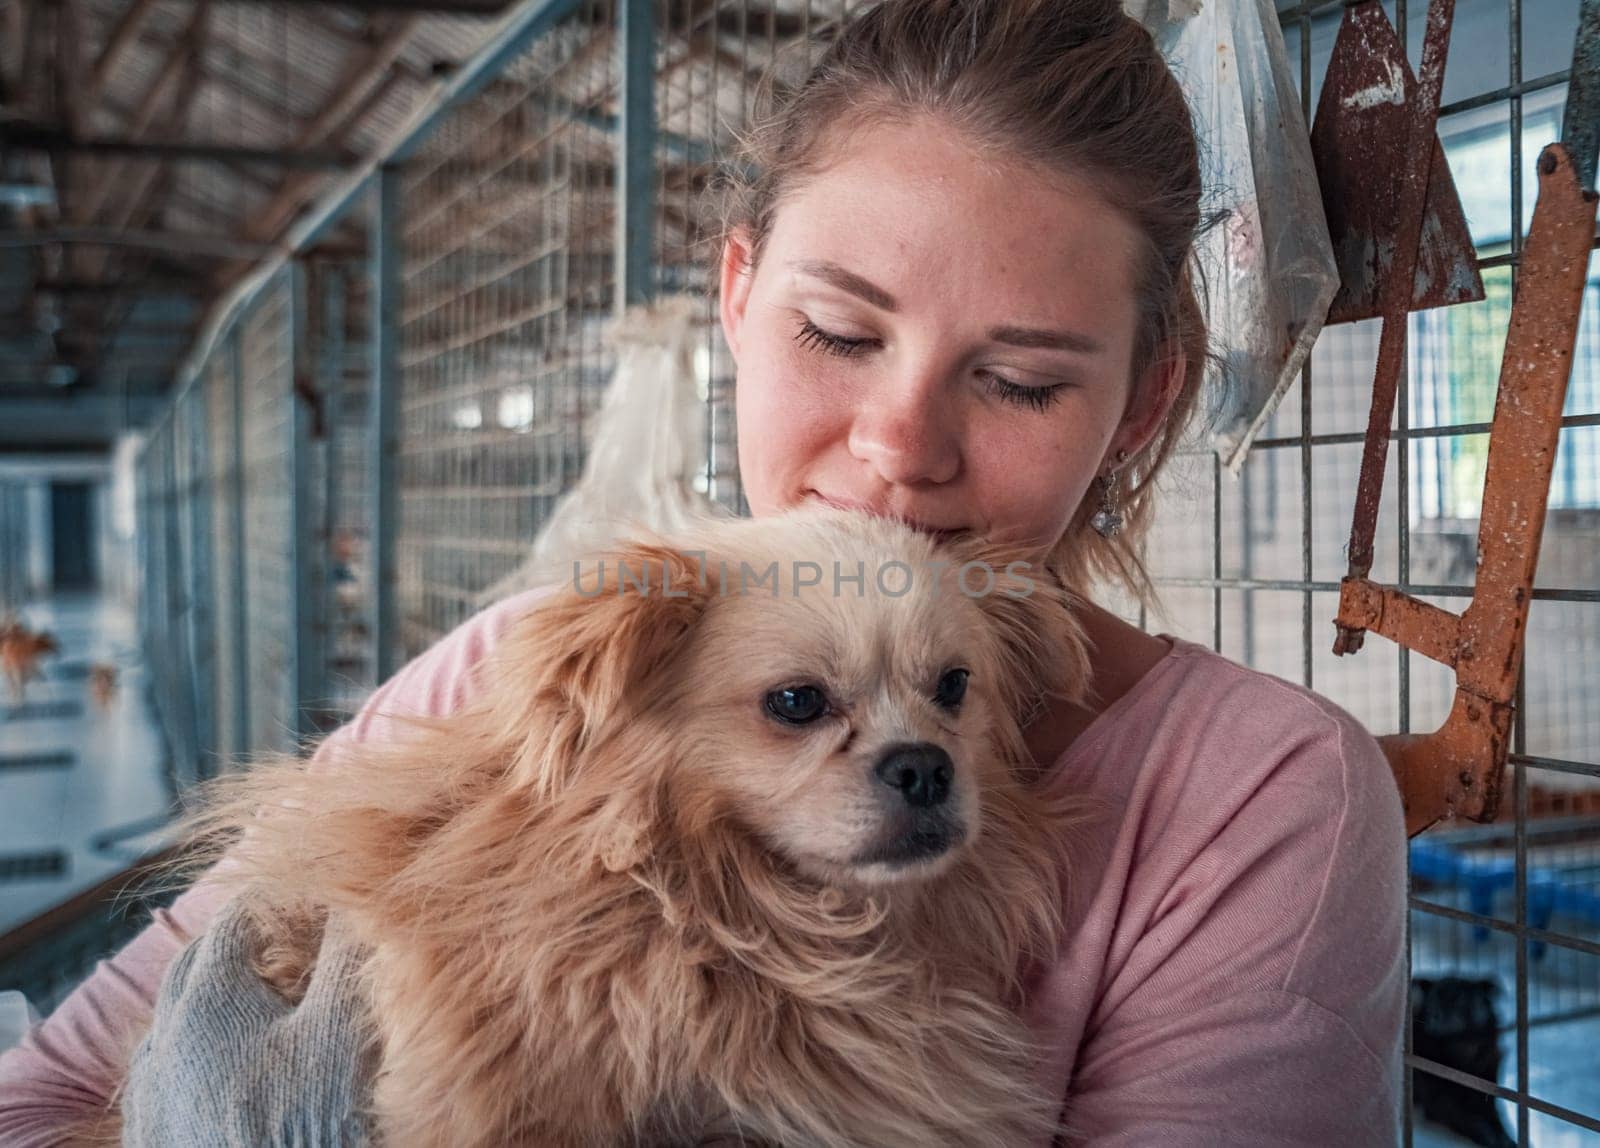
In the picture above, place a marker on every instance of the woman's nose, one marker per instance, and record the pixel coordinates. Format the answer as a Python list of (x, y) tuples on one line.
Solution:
[(907, 433)]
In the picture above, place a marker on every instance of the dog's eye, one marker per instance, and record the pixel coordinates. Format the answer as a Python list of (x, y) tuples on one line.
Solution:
[(952, 688), (797, 705)]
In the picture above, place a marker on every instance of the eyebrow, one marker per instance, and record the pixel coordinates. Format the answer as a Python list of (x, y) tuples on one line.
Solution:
[(850, 282), (836, 276), (1050, 340)]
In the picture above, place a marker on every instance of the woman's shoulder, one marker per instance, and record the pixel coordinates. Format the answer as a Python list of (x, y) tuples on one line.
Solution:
[(1209, 695), (1212, 733), (440, 679)]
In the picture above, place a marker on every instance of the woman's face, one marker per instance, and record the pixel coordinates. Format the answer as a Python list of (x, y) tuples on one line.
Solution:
[(935, 335)]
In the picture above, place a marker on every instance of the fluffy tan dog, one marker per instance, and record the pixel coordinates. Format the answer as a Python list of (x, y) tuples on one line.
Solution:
[(717, 861), (20, 651), (103, 684)]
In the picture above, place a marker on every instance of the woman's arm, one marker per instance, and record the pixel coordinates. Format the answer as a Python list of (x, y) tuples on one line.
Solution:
[(1268, 1003), (67, 1067)]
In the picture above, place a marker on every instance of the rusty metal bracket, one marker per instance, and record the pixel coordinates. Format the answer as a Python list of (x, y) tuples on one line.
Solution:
[(1359, 145), (1396, 295), (1457, 769)]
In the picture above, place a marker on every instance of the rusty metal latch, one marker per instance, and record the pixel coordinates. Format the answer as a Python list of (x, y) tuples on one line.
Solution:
[(1457, 769)]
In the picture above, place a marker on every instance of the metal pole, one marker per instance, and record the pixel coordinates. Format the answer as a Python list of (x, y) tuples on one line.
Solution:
[(385, 415), (303, 662), (636, 142), (202, 604), (241, 613), (331, 373), (178, 670)]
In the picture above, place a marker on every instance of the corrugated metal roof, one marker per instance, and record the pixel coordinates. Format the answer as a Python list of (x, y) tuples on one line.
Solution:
[(264, 74)]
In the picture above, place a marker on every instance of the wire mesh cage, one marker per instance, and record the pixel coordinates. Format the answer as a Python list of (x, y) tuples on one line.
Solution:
[(267, 361), (506, 262), (230, 682), (710, 64), (339, 335), (1505, 915), (507, 236), (13, 545), (157, 519), (192, 639)]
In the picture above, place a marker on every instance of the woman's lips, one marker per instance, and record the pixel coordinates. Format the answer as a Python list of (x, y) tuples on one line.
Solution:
[(938, 532)]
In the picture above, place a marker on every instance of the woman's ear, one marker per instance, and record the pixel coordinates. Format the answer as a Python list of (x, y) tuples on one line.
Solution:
[(737, 275), (1151, 402)]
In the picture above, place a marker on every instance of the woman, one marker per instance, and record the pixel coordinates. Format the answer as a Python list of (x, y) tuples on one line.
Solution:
[(959, 292)]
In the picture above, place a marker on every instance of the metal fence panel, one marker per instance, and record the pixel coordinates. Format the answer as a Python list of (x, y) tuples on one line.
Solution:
[(338, 356), (229, 681), (193, 641), (267, 359), (705, 92), (13, 545), (508, 234), (160, 597), (1252, 567), (507, 285)]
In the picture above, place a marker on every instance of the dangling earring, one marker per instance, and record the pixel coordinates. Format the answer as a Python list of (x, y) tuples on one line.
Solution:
[(1107, 521)]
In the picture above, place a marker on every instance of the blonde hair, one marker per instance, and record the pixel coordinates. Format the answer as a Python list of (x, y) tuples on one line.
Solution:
[(1068, 85)]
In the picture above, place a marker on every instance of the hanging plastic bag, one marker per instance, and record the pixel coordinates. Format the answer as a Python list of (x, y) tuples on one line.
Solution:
[(648, 448), (17, 1016), (1268, 266)]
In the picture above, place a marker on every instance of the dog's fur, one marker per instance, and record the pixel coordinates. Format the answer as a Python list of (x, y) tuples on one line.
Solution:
[(614, 902), (103, 684), (20, 651)]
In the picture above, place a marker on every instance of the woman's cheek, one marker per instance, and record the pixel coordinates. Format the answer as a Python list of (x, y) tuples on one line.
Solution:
[(780, 414), (816, 389), (1037, 466)]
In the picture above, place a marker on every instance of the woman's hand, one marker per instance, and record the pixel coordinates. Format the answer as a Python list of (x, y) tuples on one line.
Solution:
[(228, 1061)]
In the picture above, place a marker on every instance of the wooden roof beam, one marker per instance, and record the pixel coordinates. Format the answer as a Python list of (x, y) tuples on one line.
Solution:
[(360, 80), (123, 37), (136, 201), (32, 23), (177, 242), (147, 287), (357, 85), (175, 149), (69, 108), (141, 203), (144, 113), (418, 7)]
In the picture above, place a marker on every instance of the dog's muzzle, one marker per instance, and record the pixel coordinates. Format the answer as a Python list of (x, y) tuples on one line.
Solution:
[(915, 783), (920, 773)]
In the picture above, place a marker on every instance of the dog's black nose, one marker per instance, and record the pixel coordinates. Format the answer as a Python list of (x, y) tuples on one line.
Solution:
[(921, 773)]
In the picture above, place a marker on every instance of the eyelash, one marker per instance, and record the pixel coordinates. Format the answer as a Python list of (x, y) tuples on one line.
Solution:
[(1038, 398), (814, 338)]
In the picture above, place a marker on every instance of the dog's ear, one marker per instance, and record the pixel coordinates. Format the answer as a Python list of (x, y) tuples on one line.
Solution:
[(1033, 617), (596, 654)]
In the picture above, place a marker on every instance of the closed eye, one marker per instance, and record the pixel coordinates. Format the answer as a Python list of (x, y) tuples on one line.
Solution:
[(815, 338), (1036, 398)]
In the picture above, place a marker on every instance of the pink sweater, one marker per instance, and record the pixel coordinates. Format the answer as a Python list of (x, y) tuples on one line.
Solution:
[(1237, 976)]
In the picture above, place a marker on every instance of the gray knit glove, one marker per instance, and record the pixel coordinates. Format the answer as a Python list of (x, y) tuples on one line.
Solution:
[(229, 1064)]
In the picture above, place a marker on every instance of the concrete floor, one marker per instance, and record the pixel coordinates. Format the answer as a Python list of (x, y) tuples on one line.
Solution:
[(71, 775)]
